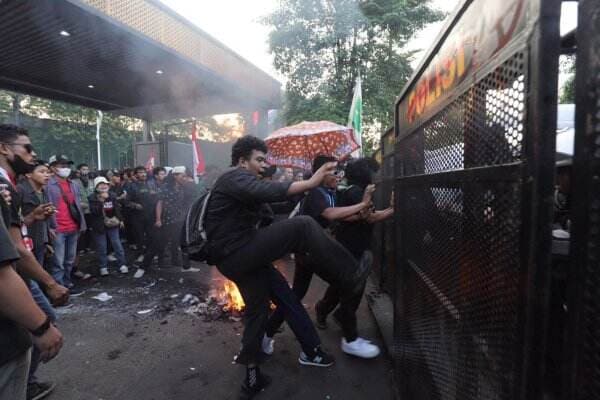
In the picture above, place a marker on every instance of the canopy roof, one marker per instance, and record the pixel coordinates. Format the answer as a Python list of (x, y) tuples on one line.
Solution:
[(133, 57)]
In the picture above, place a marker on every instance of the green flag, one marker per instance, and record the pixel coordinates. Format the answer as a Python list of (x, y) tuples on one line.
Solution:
[(355, 116)]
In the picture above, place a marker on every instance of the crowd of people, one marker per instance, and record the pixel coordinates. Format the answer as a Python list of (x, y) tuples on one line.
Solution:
[(52, 212)]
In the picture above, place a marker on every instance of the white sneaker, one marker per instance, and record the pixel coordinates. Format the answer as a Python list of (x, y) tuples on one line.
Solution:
[(139, 273), (103, 271), (268, 345), (190, 269), (124, 269), (112, 258), (360, 348), (140, 258)]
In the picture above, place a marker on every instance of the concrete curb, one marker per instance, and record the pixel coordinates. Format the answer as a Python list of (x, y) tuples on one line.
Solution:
[(382, 307)]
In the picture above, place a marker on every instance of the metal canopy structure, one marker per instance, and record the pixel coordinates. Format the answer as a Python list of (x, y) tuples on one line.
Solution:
[(135, 58)]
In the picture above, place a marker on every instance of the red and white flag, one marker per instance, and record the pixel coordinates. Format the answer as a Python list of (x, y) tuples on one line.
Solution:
[(199, 164), (151, 161)]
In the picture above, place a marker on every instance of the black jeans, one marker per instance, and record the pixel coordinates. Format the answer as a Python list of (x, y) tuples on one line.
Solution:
[(297, 235), (158, 239), (302, 277)]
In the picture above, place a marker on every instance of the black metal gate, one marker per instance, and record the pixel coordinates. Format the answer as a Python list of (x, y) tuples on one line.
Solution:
[(474, 167), (582, 345)]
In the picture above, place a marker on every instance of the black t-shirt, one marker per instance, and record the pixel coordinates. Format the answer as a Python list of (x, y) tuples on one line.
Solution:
[(316, 201), (12, 213), (354, 236), (14, 339)]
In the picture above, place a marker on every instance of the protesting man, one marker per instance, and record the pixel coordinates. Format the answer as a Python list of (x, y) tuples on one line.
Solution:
[(244, 253), (320, 204)]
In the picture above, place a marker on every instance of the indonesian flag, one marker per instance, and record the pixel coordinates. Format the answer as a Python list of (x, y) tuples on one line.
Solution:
[(151, 161), (199, 164)]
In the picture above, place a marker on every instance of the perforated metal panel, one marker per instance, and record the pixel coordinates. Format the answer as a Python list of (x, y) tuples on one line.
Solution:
[(583, 339), (459, 306)]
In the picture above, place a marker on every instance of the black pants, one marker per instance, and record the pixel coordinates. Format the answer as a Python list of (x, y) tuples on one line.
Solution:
[(141, 226), (302, 277), (158, 240), (297, 235)]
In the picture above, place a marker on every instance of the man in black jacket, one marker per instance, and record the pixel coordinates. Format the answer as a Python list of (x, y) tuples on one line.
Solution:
[(244, 253)]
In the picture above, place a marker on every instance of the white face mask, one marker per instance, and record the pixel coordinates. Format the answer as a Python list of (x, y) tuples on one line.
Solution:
[(63, 172)]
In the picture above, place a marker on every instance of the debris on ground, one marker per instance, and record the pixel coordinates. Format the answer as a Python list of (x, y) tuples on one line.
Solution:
[(103, 297), (211, 309), (147, 311)]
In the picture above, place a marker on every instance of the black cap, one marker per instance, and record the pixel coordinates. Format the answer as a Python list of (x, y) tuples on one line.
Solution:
[(59, 158)]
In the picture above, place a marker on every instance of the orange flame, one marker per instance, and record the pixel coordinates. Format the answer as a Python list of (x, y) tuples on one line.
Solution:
[(231, 296)]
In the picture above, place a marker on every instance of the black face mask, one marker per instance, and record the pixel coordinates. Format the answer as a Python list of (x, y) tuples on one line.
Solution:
[(20, 167)]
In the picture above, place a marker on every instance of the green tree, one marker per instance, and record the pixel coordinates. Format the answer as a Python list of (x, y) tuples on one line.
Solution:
[(322, 46), (57, 127), (567, 92)]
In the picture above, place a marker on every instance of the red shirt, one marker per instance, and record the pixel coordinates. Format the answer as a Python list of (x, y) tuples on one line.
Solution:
[(64, 221)]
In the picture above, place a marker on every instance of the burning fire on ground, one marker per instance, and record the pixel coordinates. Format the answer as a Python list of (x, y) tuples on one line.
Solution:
[(223, 302), (230, 296)]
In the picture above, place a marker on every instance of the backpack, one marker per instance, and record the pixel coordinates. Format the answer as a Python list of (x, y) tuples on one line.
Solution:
[(194, 238)]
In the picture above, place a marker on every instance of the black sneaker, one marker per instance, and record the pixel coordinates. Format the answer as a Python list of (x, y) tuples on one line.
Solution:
[(248, 392), (39, 390), (319, 359)]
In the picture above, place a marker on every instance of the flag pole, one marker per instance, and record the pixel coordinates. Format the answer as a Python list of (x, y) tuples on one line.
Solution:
[(98, 123), (355, 115)]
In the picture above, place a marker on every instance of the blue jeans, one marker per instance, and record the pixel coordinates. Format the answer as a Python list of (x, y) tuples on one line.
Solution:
[(101, 246), (65, 250), (42, 301)]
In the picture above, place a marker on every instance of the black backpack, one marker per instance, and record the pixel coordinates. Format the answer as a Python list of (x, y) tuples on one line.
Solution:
[(194, 238)]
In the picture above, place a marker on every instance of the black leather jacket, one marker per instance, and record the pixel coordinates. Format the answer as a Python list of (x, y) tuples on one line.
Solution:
[(235, 210)]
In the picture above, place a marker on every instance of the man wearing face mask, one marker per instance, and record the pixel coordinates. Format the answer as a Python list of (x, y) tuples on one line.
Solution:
[(17, 158), (69, 220)]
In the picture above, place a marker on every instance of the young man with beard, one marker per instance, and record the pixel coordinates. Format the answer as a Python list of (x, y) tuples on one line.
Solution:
[(69, 221), (320, 205), (244, 254), (16, 159)]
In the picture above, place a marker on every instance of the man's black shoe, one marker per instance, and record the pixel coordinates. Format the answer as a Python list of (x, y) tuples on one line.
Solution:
[(248, 392), (39, 390)]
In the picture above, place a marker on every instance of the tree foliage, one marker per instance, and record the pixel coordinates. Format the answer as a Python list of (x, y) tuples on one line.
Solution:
[(322, 46), (567, 92)]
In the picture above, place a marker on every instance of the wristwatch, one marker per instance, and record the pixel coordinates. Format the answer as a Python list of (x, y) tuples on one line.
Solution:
[(43, 328)]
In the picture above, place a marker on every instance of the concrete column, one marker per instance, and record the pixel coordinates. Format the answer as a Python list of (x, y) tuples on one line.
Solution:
[(147, 129)]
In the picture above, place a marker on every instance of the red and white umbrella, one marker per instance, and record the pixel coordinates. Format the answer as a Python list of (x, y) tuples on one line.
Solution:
[(297, 145)]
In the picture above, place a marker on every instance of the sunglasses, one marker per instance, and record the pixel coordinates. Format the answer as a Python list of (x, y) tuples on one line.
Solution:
[(27, 146)]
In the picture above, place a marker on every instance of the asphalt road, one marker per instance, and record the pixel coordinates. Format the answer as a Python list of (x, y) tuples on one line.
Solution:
[(112, 352)]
